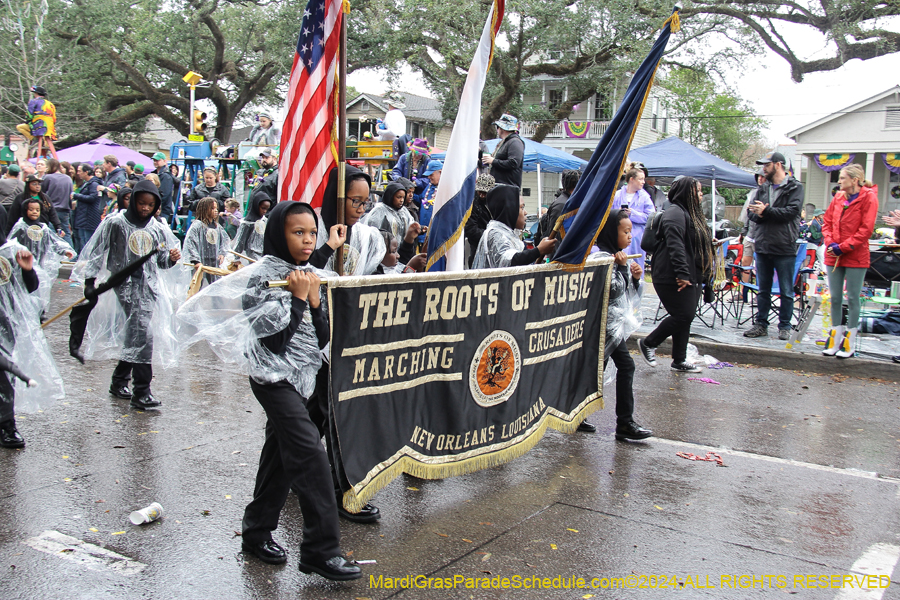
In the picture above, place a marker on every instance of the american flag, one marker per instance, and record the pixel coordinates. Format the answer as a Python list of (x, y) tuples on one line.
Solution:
[(307, 152)]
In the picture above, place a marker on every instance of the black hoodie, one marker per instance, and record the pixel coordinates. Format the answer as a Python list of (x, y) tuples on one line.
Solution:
[(275, 244), (253, 215), (131, 212), (503, 204)]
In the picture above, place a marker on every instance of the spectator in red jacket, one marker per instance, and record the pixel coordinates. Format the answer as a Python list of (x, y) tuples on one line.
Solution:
[(849, 222)]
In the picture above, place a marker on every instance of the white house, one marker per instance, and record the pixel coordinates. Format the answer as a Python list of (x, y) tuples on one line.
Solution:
[(867, 130), (593, 116)]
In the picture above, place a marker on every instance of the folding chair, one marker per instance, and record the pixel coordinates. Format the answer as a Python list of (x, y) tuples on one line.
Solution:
[(722, 286), (799, 295)]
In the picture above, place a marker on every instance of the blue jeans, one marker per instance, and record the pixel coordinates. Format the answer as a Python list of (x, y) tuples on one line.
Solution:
[(64, 224), (766, 267), (81, 239)]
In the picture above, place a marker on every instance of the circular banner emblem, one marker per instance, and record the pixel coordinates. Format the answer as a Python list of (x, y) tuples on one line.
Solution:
[(140, 242), (5, 270), (35, 233), (212, 236), (260, 227), (496, 366)]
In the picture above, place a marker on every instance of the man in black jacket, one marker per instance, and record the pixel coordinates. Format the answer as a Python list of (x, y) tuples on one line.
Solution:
[(166, 187), (506, 163), (776, 213)]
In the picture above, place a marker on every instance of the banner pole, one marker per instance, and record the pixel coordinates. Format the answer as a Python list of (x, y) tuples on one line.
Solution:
[(342, 140)]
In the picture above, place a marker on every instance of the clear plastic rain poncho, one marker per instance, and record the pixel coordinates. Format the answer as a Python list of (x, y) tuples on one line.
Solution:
[(362, 254), (234, 313), (22, 339), (364, 249), (500, 242), (48, 249), (133, 322), (497, 247), (385, 217), (248, 240), (205, 244)]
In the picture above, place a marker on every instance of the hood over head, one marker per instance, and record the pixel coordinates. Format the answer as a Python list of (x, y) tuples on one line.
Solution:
[(503, 204), (131, 212), (329, 201), (253, 211), (390, 191), (274, 240), (608, 238)]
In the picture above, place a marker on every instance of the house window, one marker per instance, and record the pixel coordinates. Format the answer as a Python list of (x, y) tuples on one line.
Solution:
[(665, 119), (603, 107), (364, 105), (556, 99), (892, 117), (654, 114)]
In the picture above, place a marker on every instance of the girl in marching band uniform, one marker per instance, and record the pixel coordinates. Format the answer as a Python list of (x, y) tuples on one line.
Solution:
[(206, 242), (45, 245), (501, 246), (249, 237)]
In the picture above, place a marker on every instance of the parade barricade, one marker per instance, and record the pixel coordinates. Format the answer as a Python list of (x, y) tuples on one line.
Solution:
[(441, 374)]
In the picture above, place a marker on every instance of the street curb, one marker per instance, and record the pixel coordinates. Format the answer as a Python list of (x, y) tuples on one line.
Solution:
[(785, 359)]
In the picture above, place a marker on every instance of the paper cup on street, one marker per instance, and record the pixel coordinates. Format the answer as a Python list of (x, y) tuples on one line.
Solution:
[(147, 515)]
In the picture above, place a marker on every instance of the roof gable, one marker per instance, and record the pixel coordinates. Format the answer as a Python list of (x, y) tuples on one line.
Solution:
[(843, 112)]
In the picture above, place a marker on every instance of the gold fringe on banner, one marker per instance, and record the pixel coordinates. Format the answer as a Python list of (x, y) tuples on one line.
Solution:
[(355, 499)]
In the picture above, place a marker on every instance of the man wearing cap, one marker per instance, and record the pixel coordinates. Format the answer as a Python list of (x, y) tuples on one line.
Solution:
[(433, 173), (268, 166), (11, 186), (412, 165), (506, 163), (776, 212), (166, 187)]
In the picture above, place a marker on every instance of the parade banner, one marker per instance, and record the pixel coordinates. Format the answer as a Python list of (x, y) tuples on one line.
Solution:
[(441, 374)]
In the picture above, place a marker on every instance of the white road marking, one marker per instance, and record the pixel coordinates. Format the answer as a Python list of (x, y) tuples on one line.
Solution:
[(878, 562), (87, 555), (783, 461)]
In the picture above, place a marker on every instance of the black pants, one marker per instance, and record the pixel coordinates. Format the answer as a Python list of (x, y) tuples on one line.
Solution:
[(7, 397), (681, 306), (292, 457), (141, 372), (624, 382)]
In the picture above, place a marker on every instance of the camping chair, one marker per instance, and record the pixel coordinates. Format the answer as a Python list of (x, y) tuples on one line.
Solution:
[(723, 287), (799, 294)]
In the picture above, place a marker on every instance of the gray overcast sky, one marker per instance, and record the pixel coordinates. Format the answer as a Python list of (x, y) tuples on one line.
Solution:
[(766, 84)]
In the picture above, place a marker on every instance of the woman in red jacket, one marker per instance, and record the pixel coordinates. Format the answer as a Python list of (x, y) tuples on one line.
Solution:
[(849, 222)]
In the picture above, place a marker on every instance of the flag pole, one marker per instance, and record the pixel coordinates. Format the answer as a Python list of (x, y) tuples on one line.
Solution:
[(342, 135)]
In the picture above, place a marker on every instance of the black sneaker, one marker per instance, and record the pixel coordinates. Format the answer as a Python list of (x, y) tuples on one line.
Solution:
[(685, 367), (757, 331), (648, 353)]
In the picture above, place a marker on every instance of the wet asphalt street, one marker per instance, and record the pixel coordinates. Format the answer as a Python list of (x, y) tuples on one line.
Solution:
[(810, 489)]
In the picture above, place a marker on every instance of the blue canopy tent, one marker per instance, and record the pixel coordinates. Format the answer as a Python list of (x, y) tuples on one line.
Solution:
[(539, 158), (667, 159)]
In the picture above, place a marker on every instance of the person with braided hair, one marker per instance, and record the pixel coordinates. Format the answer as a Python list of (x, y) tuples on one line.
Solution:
[(683, 262)]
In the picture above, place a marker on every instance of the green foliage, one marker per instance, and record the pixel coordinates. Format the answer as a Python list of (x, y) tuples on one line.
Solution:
[(710, 117)]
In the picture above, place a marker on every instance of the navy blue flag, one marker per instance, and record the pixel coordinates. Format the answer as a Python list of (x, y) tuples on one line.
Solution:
[(587, 208)]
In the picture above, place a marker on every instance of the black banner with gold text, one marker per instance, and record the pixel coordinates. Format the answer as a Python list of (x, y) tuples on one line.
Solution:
[(440, 374)]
